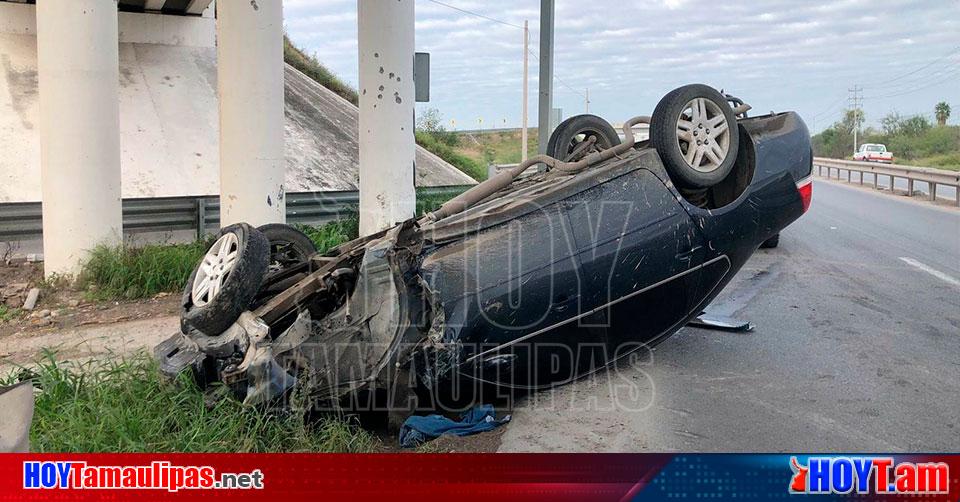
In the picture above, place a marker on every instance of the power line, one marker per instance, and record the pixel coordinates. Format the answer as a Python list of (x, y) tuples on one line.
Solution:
[(931, 63), (837, 114), (901, 92), (829, 108), (555, 77), (506, 23), (907, 84), (477, 14)]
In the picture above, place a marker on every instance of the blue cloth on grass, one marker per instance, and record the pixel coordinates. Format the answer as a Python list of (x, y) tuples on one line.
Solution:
[(417, 430)]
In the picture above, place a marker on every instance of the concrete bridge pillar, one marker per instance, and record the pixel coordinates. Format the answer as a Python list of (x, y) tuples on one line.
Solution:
[(78, 70), (250, 87), (387, 145)]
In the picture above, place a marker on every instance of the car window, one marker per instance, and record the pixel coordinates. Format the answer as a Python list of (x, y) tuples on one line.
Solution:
[(874, 148)]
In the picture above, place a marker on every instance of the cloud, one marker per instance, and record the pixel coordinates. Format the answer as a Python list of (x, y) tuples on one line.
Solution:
[(776, 54), (674, 4)]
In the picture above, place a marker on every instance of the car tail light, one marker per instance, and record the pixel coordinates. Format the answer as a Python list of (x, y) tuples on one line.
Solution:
[(805, 187)]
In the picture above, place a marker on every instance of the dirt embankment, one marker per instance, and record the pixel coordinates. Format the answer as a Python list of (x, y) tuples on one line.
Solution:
[(66, 321)]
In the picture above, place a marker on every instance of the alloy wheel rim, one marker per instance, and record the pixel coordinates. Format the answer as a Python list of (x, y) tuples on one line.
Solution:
[(703, 135), (215, 268)]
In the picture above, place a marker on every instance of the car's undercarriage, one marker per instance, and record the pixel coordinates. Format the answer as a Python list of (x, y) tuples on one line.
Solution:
[(435, 297)]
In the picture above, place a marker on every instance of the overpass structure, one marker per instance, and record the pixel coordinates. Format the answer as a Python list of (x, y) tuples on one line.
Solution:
[(78, 80), (181, 7), (101, 100)]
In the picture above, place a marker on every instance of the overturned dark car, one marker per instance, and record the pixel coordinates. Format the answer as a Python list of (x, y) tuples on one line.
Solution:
[(525, 281)]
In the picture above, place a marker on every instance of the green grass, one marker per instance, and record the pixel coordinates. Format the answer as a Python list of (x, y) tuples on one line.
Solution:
[(428, 203), (311, 67), (334, 233), (949, 161), (501, 147), (475, 168), (127, 406), (7, 313), (331, 235), (127, 272)]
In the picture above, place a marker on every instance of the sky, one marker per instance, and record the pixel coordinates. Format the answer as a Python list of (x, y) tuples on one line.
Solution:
[(777, 55)]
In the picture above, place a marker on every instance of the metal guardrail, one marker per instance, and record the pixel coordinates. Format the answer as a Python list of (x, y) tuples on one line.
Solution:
[(24, 220), (933, 177)]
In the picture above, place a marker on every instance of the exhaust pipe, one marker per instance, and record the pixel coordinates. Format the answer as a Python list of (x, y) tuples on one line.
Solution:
[(502, 180)]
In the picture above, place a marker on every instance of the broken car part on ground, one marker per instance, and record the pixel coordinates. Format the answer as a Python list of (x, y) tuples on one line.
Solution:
[(522, 281)]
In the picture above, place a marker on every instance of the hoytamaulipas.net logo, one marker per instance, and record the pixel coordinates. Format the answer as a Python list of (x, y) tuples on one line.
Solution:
[(868, 475), (159, 475)]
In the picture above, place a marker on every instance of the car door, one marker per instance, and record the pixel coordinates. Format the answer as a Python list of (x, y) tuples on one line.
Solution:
[(507, 291), (638, 254)]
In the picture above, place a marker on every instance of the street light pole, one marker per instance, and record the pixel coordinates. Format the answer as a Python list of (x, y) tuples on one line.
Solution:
[(526, 86), (546, 73)]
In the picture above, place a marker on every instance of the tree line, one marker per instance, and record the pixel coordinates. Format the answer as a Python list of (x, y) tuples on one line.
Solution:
[(912, 139)]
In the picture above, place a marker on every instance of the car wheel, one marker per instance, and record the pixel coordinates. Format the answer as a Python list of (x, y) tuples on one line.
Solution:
[(771, 242), (226, 281), (695, 132), (288, 246), (579, 136)]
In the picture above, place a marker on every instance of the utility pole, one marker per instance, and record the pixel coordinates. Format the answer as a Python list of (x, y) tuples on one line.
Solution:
[(856, 104), (526, 86), (586, 100), (546, 73)]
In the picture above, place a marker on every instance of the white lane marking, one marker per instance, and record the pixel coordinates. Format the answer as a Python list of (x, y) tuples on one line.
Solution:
[(932, 271)]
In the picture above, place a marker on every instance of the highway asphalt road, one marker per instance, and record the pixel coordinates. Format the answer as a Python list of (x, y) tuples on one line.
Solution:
[(856, 349)]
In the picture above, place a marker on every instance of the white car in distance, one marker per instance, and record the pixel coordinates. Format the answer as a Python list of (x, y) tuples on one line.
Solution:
[(873, 152)]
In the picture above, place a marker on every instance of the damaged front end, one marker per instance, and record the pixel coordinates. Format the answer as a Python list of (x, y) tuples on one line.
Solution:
[(351, 323)]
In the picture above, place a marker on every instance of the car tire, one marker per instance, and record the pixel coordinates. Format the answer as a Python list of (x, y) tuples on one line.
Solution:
[(574, 130), (684, 116), (287, 245), (229, 285), (771, 243)]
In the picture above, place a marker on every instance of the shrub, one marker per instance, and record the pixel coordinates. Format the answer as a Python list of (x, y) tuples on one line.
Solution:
[(913, 140)]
